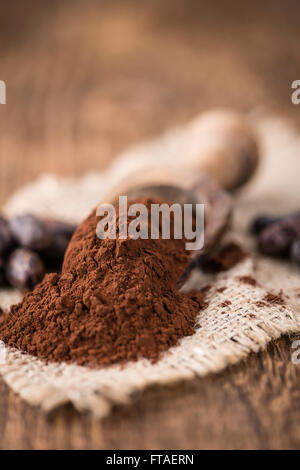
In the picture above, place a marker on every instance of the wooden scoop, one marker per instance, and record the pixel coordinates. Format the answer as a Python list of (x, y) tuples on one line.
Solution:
[(219, 150)]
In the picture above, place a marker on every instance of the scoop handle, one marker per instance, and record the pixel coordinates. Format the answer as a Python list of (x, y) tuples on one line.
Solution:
[(223, 145)]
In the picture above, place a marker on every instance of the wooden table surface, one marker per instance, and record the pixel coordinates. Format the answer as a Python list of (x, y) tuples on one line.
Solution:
[(85, 80)]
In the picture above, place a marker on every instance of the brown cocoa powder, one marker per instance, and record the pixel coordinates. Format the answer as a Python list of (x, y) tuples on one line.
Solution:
[(115, 301), (260, 304), (251, 315), (272, 298), (226, 303), (220, 290)]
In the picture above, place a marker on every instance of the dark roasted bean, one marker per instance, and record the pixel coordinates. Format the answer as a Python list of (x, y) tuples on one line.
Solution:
[(54, 254), (2, 273), (261, 222), (264, 221), (277, 239), (5, 236), (24, 269), (58, 228), (61, 233), (30, 232)]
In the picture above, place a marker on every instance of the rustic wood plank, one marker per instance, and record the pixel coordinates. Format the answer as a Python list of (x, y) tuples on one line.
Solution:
[(83, 83), (255, 404)]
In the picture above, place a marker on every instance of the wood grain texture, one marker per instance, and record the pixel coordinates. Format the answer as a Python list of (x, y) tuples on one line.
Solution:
[(253, 405), (84, 81)]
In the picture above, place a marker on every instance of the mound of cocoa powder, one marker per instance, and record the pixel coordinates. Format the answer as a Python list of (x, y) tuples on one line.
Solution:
[(114, 302)]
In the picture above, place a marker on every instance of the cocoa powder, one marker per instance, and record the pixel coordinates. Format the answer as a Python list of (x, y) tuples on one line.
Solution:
[(220, 290), (272, 298), (226, 303), (260, 304), (224, 259), (115, 301)]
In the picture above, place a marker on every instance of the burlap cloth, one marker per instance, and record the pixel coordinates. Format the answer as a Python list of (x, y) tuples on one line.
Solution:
[(225, 334)]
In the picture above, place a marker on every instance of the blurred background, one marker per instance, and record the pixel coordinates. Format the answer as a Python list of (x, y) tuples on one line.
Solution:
[(86, 79)]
